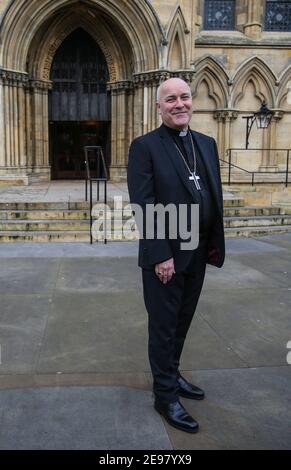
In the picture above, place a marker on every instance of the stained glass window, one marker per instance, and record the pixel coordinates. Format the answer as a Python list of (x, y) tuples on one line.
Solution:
[(278, 16), (219, 14)]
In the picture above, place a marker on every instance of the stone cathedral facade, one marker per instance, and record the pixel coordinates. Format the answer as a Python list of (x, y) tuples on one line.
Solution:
[(75, 73)]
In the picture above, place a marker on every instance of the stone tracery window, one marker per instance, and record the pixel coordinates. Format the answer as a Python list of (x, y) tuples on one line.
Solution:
[(278, 15), (219, 15)]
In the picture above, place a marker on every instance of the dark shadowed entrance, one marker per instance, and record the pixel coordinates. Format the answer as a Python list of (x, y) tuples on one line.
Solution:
[(79, 105)]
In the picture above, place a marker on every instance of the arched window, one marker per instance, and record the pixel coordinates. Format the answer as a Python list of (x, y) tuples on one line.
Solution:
[(219, 15), (278, 16)]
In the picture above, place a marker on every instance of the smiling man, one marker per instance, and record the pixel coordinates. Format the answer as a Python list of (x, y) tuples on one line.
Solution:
[(176, 166)]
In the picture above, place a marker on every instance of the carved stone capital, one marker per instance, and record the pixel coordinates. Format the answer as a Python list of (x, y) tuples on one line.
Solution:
[(13, 77), (186, 75), (125, 86), (156, 77), (152, 78), (41, 85), (224, 115), (278, 114)]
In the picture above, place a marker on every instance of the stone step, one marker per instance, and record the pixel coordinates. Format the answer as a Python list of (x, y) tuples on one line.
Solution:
[(257, 221), (247, 211), (44, 215), (79, 214), (233, 202), (81, 236), (83, 205), (58, 236), (44, 206), (58, 214), (42, 225), (257, 231), (252, 221), (61, 225), (116, 224)]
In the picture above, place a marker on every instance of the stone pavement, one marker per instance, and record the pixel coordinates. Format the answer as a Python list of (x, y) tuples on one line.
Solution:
[(58, 191), (74, 372), (66, 191)]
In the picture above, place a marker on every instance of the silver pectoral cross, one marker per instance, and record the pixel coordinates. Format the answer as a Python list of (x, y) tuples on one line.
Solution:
[(196, 179)]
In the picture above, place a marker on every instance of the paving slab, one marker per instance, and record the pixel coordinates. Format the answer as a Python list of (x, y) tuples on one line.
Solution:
[(282, 240), (22, 325), (95, 333), (105, 333), (72, 250), (206, 348), (276, 266), (243, 409), (99, 275), (237, 274), (255, 323), (58, 191), (88, 418), (28, 276), (139, 380), (253, 245), (72, 321)]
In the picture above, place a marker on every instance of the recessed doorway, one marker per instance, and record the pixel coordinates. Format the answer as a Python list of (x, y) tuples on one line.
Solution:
[(79, 105)]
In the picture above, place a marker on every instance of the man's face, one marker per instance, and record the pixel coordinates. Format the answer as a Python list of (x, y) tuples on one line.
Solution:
[(175, 104)]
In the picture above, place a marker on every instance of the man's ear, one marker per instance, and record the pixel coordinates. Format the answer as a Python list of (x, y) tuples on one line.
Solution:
[(158, 107)]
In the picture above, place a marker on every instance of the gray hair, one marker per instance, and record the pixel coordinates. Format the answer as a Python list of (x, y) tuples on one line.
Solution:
[(159, 92)]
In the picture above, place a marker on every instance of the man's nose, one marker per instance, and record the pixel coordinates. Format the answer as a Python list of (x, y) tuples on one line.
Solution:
[(179, 103)]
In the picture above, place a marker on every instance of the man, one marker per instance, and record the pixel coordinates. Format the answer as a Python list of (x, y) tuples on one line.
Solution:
[(174, 165)]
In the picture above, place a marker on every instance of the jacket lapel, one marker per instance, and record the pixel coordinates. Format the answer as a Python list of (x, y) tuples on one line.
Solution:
[(176, 160)]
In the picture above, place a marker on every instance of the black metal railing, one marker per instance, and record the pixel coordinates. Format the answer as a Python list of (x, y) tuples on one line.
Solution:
[(95, 172), (253, 173)]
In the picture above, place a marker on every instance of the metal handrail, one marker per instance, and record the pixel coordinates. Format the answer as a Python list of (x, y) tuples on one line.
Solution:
[(253, 173), (98, 179)]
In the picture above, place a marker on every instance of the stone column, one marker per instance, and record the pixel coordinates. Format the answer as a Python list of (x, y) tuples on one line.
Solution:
[(253, 26), (145, 87), (2, 126), (269, 160), (121, 126), (39, 124), (224, 117), (13, 142)]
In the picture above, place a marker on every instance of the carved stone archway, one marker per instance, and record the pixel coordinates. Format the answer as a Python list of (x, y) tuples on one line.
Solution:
[(129, 35)]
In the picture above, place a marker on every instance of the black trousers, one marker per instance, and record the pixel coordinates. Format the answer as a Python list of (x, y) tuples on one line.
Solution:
[(170, 310)]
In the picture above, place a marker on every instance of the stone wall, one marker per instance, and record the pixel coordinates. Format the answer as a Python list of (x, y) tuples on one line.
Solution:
[(144, 42)]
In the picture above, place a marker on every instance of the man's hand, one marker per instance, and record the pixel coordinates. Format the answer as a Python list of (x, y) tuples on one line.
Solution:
[(165, 270)]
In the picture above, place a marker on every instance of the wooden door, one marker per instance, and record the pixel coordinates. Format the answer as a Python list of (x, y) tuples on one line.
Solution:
[(79, 105)]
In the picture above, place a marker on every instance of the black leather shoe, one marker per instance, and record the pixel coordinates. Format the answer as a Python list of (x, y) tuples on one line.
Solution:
[(177, 416), (188, 390)]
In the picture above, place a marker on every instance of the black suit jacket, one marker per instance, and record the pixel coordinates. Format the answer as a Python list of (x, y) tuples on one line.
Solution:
[(157, 174)]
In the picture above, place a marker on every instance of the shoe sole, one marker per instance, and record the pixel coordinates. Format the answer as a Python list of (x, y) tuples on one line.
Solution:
[(191, 431), (185, 395)]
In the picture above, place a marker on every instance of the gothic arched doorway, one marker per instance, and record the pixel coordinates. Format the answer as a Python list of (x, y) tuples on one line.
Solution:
[(79, 105)]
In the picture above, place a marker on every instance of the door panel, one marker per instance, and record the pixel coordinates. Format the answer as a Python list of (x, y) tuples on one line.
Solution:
[(79, 105), (68, 140)]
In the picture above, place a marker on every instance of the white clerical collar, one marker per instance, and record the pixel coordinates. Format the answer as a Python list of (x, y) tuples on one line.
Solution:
[(183, 133)]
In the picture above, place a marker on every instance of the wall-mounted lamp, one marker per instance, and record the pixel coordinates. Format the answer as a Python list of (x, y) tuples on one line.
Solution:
[(262, 117)]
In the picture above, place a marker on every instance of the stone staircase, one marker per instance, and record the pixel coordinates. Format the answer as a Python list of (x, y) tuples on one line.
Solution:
[(69, 221)]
